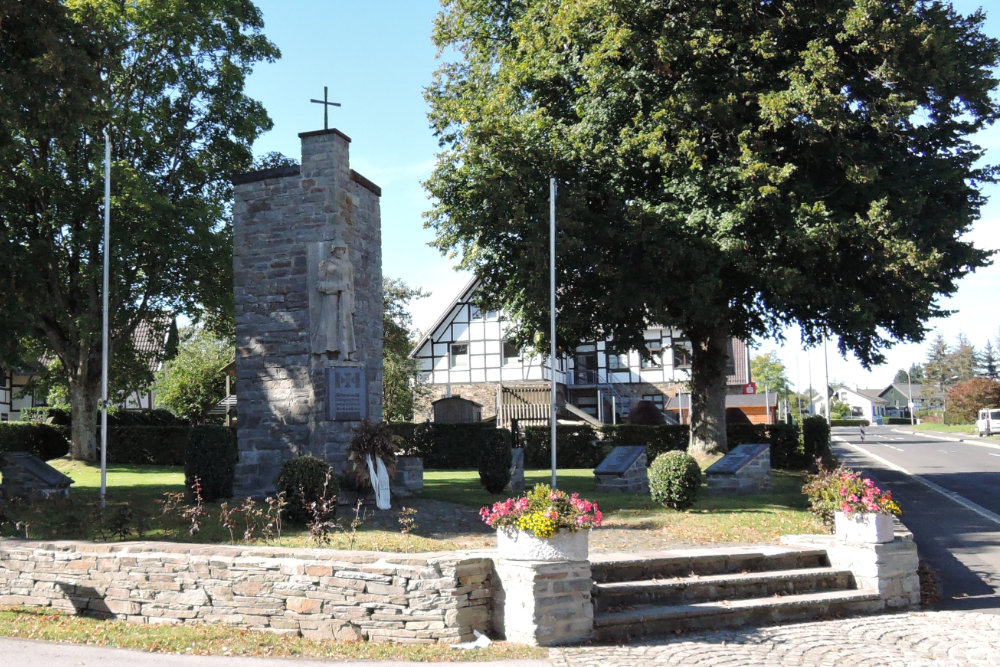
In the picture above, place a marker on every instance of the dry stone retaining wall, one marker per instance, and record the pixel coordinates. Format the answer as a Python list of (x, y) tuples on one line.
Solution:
[(320, 593)]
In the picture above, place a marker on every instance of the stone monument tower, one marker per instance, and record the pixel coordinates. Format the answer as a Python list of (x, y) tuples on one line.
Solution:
[(307, 264)]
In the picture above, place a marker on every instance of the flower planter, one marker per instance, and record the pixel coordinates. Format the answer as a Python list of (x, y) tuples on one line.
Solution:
[(868, 528), (513, 544)]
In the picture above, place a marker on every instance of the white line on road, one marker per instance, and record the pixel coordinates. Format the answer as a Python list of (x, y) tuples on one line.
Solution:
[(951, 495), (898, 449)]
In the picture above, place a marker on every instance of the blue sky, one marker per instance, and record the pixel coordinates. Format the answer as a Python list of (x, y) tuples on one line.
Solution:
[(376, 58)]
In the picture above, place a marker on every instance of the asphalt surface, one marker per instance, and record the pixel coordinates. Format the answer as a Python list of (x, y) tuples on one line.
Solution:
[(949, 488)]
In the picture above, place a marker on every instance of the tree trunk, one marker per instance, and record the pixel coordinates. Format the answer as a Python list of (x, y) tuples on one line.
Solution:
[(83, 400), (708, 391)]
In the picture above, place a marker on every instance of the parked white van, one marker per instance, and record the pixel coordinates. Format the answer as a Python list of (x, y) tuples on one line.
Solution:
[(988, 421)]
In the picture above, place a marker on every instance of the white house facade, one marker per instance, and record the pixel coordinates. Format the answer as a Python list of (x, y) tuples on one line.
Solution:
[(469, 353)]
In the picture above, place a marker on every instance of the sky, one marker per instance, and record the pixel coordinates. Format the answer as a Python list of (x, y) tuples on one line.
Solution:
[(376, 58)]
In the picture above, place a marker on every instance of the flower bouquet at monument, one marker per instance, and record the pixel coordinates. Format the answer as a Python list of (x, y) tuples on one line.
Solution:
[(543, 524)]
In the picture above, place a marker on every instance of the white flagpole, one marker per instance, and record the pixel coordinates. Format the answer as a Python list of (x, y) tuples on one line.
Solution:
[(104, 323), (552, 316)]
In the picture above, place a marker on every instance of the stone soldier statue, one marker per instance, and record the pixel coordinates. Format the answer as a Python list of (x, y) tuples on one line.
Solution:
[(334, 332)]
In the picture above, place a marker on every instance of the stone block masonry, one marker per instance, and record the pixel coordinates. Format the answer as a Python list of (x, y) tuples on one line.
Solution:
[(284, 219), (318, 593)]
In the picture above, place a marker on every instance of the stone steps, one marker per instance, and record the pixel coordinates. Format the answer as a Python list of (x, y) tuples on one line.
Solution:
[(644, 620), (703, 562), (741, 586), (716, 588)]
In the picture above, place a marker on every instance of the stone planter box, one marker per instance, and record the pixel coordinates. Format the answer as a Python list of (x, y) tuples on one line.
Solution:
[(513, 544), (866, 528)]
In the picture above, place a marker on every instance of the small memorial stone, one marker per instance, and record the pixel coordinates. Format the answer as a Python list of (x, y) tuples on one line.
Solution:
[(743, 471), (623, 471)]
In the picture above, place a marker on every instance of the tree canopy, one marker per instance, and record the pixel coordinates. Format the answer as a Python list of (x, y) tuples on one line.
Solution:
[(400, 380), (725, 167), (769, 373), (165, 81)]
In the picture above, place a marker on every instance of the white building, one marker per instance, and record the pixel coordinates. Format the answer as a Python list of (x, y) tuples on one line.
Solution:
[(468, 353)]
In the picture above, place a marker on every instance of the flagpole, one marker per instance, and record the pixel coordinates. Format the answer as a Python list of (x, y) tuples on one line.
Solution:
[(552, 316), (104, 319)]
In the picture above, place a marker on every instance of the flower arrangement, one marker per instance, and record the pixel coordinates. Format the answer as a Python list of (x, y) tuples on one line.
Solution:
[(860, 495), (543, 512)]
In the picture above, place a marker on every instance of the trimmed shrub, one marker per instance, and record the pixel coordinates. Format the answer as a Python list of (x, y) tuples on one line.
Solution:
[(657, 439), (44, 441), (786, 449), (816, 440), (46, 414), (898, 420), (405, 435), (674, 480), (495, 459), (210, 455), (576, 447), (302, 479)]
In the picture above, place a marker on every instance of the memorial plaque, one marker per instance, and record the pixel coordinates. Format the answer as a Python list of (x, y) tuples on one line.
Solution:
[(347, 394), (619, 460), (736, 459)]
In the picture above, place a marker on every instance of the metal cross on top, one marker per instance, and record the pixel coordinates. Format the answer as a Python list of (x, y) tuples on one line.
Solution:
[(326, 107)]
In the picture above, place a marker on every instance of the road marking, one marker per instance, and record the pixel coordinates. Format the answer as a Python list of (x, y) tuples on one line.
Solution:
[(898, 449), (951, 495), (992, 454)]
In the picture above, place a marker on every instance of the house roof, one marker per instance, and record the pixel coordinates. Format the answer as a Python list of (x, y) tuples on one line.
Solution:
[(150, 339), (461, 297)]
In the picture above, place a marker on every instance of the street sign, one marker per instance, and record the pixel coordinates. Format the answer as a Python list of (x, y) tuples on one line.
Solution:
[(750, 388)]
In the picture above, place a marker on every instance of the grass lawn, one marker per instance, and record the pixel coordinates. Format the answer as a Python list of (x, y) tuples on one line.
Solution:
[(133, 491), (946, 428), (218, 639)]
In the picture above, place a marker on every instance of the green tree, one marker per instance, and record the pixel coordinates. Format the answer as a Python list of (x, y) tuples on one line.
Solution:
[(769, 373), (165, 81), (723, 167), (400, 380), (964, 362), (991, 365), (937, 368), (192, 383), (916, 374)]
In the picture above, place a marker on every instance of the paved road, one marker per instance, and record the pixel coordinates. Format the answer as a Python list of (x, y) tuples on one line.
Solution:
[(948, 487)]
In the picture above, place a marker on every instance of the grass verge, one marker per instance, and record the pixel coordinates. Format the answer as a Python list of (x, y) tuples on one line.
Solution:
[(223, 640)]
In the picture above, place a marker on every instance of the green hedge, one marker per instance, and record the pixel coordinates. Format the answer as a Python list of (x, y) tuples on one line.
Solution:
[(816, 439), (450, 446), (45, 414), (657, 439), (576, 447), (404, 433), (147, 445), (210, 454), (849, 422), (44, 441), (787, 452), (898, 420)]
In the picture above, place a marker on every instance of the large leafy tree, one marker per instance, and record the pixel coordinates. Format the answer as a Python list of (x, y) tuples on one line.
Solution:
[(400, 380), (726, 167), (769, 373), (165, 81), (192, 383)]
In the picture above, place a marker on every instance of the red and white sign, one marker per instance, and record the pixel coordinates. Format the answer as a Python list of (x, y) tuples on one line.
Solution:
[(750, 388)]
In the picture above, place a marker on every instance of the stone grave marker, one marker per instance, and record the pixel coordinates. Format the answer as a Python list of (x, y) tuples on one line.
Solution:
[(623, 471), (27, 476), (743, 471)]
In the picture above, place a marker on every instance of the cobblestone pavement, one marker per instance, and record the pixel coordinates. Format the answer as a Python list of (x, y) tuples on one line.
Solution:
[(915, 639)]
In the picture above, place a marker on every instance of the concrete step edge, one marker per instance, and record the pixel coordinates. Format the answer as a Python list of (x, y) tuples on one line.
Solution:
[(647, 613)]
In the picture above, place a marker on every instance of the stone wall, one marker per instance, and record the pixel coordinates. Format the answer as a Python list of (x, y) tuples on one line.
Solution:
[(320, 593), (281, 384)]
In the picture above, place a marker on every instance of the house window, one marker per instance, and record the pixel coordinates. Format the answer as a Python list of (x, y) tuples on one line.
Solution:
[(617, 361), (474, 313), (655, 350), (682, 354), (459, 354), (511, 353), (655, 399)]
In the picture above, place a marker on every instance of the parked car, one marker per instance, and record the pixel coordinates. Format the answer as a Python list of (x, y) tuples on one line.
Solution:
[(988, 421)]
